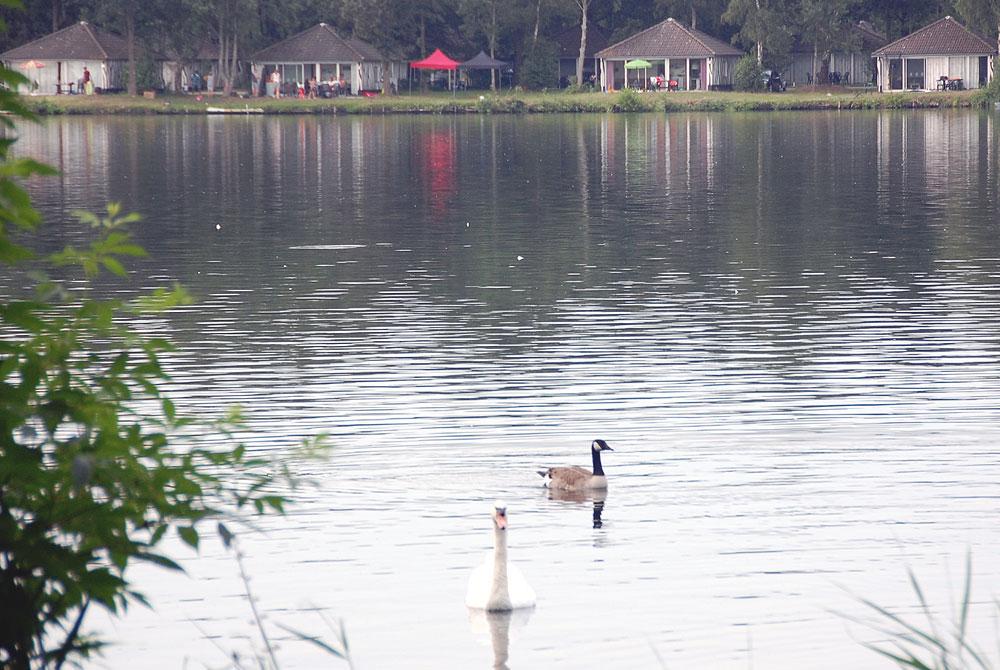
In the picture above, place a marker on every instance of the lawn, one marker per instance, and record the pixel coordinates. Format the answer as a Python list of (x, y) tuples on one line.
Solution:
[(510, 102)]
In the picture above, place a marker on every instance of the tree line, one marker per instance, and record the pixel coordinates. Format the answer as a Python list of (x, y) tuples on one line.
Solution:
[(526, 32)]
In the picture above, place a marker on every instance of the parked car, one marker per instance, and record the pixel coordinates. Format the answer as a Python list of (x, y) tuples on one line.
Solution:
[(773, 81)]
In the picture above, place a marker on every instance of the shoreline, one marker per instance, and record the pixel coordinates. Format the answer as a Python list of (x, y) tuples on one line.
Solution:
[(517, 102)]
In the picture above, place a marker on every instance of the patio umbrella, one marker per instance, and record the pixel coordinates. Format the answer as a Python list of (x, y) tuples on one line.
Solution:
[(32, 64), (637, 64)]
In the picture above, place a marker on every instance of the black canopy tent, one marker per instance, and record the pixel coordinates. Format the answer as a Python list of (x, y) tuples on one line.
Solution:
[(483, 62)]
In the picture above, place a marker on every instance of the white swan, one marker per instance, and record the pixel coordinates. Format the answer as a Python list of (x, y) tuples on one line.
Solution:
[(496, 585)]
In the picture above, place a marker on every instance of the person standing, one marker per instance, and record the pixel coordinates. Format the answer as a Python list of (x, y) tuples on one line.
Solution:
[(276, 81), (87, 86)]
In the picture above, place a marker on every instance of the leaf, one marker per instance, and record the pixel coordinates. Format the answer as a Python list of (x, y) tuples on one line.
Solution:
[(313, 639), (226, 535), (113, 266), (190, 536), (160, 560), (169, 410)]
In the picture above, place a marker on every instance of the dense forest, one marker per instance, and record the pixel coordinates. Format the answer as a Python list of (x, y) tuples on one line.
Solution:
[(527, 32)]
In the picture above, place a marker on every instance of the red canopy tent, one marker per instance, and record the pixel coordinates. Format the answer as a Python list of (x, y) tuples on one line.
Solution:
[(437, 61)]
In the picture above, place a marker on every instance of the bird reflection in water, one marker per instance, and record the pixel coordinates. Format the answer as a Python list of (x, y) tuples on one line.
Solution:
[(597, 496), (499, 625)]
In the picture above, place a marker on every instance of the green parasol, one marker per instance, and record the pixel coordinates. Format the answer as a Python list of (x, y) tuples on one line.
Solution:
[(637, 64)]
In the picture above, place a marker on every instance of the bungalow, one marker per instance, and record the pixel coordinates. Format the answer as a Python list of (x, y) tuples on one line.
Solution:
[(322, 53), (846, 66), (691, 58), (55, 63), (568, 42), (942, 55)]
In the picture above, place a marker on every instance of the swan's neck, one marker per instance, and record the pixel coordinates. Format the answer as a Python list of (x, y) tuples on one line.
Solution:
[(595, 454), (499, 591)]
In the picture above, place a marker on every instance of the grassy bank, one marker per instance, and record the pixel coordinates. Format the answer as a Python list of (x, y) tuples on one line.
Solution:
[(513, 102)]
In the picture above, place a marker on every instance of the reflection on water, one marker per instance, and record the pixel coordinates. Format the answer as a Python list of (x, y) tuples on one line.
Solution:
[(597, 497), (790, 320), (499, 626)]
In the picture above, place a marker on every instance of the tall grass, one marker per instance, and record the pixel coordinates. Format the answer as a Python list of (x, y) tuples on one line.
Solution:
[(268, 659), (936, 643)]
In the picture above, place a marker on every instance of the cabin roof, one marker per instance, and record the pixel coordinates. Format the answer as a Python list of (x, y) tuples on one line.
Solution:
[(943, 37), (80, 41), (669, 39), (319, 44)]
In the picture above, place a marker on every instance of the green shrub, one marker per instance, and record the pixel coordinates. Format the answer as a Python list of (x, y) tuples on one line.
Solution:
[(629, 100), (92, 477), (991, 92), (538, 71), (749, 75)]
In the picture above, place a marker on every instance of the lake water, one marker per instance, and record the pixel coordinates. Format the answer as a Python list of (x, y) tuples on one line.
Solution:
[(786, 325)]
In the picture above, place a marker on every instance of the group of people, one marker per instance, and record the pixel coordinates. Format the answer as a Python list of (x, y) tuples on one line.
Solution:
[(312, 88)]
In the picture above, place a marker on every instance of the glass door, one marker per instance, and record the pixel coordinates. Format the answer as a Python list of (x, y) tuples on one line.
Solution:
[(896, 74)]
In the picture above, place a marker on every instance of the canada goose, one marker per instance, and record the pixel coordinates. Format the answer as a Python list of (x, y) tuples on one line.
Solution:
[(496, 585), (574, 478)]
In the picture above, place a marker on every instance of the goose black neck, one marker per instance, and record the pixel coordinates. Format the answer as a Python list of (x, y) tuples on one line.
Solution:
[(596, 455)]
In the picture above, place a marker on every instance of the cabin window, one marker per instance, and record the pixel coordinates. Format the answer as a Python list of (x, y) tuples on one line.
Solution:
[(895, 74), (984, 70), (915, 73)]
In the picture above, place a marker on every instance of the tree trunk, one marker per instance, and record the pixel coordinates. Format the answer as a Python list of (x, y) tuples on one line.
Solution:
[(133, 88), (583, 4), (493, 43), (815, 72), (223, 43), (233, 60), (538, 21), (760, 41), (423, 48), (694, 17), (57, 14)]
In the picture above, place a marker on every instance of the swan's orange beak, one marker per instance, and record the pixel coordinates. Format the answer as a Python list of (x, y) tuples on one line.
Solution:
[(501, 519)]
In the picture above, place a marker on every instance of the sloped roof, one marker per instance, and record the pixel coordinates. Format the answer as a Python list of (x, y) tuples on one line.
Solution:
[(942, 38), (481, 61), (569, 42), (80, 41), (319, 44), (669, 39), (438, 60)]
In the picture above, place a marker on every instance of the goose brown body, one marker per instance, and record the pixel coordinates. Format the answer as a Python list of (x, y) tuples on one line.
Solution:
[(574, 478)]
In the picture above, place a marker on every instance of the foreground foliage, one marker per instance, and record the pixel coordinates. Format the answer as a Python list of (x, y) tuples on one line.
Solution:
[(936, 644), (92, 477)]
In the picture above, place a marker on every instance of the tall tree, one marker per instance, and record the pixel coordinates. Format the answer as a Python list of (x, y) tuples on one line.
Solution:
[(487, 19), (982, 15), (762, 23), (131, 18), (827, 25)]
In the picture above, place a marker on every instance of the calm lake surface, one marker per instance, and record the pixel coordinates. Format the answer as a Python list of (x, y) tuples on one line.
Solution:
[(786, 325)]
